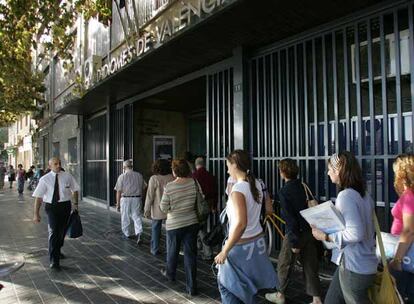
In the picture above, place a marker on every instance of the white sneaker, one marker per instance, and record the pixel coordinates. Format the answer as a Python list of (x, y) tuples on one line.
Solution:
[(275, 297)]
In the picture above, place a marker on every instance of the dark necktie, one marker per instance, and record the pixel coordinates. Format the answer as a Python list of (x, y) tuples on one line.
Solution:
[(56, 196)]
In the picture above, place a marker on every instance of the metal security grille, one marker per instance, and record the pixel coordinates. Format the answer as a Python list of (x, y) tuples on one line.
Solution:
[(122, 139), (220, 141), (95, 176), (344, 88)]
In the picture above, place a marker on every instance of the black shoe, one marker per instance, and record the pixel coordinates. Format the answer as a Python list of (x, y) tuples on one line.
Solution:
[(62, 256), (54, 266), (164, 273), (192, 293)]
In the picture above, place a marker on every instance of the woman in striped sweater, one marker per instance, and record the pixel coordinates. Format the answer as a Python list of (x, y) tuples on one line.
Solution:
[(178, 202)]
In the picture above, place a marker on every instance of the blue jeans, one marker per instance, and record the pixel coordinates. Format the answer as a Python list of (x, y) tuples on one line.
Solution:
[(226, 296), (187, 235), (155, 235)]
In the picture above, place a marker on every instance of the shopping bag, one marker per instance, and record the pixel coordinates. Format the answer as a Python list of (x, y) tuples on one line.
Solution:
[(390, 242), (384, 290), (74, 229)]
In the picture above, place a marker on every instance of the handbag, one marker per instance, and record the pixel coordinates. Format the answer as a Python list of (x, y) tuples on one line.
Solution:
[(310, 198), (202, 207), (215, 236), (384, 290), (74, 228)]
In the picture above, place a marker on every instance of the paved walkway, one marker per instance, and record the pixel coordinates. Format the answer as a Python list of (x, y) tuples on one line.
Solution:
[(100, 267)]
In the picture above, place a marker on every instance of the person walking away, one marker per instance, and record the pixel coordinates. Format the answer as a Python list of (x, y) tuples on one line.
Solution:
[(29, 177), (244, 267), (354, 247), (11, 175), (161, 171), (208, 185), (37, 175), (21, 178), (56, 189), (298, 242), (178, 202), (39, 172), (3, 172), (129, 190), (188, 156), (403, 223)]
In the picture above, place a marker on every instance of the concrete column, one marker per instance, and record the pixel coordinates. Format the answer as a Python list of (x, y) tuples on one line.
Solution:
[(108, 154)]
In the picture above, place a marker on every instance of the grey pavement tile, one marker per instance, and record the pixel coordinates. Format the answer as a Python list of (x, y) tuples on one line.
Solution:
[(34, 297), (8, 298), (100, 267)]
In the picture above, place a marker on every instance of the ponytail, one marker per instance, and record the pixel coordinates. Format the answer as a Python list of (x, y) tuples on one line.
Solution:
[(253, 189), (242, 160)]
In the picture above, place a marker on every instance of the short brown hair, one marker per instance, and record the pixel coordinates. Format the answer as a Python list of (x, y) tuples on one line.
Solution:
[(161, 167), (180, 167), (289, 168)]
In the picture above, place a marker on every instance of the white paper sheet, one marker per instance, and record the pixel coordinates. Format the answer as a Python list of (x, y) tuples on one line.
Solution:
[(324, 217)]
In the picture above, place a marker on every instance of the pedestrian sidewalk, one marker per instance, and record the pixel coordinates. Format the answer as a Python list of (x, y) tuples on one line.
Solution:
[(99, 267)]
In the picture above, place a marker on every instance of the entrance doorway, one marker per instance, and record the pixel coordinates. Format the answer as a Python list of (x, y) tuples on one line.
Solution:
[(173, 122)]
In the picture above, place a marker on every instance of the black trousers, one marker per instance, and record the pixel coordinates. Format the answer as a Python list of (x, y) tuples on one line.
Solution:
[(58, 216), (308, 256)]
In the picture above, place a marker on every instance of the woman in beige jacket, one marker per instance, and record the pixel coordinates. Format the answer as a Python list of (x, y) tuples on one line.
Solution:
[(161, 170)]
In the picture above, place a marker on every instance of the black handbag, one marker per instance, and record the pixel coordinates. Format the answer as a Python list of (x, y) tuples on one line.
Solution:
[(201, 205), (215, 236), (74, 229)]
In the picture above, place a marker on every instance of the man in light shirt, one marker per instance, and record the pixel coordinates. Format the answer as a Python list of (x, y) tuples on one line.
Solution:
[(129, 190), (56, 189)]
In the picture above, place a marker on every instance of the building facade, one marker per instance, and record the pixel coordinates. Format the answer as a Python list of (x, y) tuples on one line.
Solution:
[(19, 146), (299, 80)]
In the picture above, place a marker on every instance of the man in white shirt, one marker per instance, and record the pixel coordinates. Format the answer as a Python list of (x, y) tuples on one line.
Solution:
[(129, 190), (56, 189)]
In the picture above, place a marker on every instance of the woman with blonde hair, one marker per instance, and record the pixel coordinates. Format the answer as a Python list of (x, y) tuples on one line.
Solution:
[(403, 224)]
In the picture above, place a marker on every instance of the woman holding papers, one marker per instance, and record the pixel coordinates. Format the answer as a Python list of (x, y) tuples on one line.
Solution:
[(298, 242), (403, 224), (354, 250)]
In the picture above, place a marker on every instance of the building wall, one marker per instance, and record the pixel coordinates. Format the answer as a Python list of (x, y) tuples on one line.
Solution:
[(334, 90), (148, 123), (20, 138), (66, 138)]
